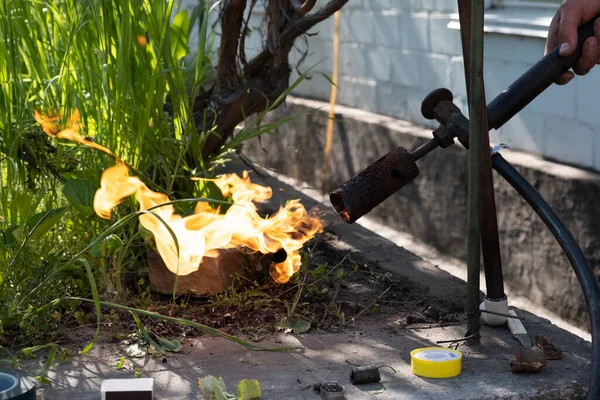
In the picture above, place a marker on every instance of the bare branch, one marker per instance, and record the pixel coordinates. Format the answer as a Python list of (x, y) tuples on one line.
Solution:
[(274, 12), (232, 18), (303, 8), (300, 26), (266, 76), (244, 33)]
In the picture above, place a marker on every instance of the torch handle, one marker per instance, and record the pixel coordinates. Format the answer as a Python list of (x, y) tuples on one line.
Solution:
[(533, 82)]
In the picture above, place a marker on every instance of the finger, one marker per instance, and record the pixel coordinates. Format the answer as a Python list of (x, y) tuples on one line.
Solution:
[(589, 57), (571, 16), (597, 33), (565, 78), (552, 40)]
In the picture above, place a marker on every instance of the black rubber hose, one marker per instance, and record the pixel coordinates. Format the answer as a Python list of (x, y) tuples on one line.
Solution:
[(585, 274)]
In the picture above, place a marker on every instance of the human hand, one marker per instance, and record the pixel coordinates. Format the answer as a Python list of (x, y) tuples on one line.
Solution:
[(563, 32)]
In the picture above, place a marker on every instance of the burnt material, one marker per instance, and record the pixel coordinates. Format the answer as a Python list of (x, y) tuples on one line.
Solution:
[(279, 256), (373, 185), (364, 374)]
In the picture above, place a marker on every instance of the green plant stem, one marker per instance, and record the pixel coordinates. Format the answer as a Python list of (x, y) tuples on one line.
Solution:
[(476, 108)]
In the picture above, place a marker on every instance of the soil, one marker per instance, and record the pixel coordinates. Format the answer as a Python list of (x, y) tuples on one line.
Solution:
[(338, 291)]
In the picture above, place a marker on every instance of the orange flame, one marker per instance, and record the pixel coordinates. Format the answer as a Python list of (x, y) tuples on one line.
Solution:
[(207, 230), (142, 40), (71, 132)]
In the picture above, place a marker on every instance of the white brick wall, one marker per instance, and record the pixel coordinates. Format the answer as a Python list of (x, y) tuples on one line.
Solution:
[(394, 52)]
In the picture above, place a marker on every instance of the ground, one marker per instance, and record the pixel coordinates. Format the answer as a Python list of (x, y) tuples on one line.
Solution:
[(338, 290), (422, 306)]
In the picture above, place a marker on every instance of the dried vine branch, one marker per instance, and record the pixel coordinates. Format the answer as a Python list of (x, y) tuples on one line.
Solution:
[(232, 17), (293, 30), (242, 46), (266, 76)]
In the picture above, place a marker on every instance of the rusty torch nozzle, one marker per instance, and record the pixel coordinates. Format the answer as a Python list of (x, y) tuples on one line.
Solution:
[(373, 185)]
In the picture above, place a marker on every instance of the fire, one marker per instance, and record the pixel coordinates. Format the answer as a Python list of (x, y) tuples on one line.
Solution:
[(51, 127), (208, 230)]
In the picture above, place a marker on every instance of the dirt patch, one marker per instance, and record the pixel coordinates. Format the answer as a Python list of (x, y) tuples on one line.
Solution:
[(337, 290)]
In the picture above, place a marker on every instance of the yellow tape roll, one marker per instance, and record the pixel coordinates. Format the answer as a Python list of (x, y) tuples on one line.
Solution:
[(435, 362)]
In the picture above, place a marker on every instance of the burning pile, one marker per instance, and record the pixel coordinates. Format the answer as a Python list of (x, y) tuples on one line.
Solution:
[(207, 231)]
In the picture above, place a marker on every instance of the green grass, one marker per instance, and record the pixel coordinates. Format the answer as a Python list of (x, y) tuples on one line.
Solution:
[(115, 62)]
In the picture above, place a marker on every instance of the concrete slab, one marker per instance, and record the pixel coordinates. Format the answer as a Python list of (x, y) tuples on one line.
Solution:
[(485, 375), (325, 356)]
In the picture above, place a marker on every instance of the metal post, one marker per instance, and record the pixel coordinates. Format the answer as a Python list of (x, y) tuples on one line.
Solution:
[(490, 241), (478, 125)]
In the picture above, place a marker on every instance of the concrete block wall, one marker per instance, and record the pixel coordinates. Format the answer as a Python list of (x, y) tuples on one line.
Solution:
[(394, 52)]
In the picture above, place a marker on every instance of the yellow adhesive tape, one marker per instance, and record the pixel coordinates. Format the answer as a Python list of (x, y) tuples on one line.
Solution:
[(435, 362)]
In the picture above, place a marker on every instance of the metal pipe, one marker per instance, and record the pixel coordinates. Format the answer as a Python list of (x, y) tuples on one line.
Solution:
[(424, 149), (477, 127), (374, 184), (537, 79)]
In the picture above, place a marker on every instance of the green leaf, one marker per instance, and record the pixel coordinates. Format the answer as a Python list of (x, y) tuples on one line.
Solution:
[(170, 345), (210, 190), (28, 351), (7, 237), (135, 351), (40, 223), (300, 326), (248, 389), (120, 363), (214, 388), (96, 299), (107, 246), (296, 326), (320, 271), (146, 335), (80, 194), (329, 79), (51, 357), (339, 274), (179, 35)]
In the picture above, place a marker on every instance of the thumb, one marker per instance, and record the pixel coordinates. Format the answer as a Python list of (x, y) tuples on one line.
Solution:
[(571, 17)]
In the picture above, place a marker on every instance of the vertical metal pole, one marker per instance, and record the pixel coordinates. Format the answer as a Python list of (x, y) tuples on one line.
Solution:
[(478, 125), (490, 241)]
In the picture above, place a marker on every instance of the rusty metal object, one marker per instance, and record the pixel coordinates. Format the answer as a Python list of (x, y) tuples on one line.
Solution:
[(303, 8), (365, 374), (528, 360), (266, 261), (375, 184), (438, 105)]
